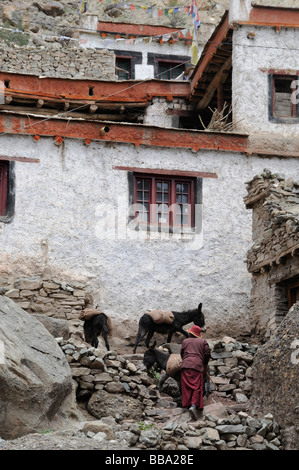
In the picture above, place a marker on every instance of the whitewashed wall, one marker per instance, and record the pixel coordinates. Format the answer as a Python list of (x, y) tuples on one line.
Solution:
[(251, 59), (58, 220), (144, 70)]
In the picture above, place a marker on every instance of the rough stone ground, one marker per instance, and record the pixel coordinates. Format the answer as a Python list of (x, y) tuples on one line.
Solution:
[(69, 437)]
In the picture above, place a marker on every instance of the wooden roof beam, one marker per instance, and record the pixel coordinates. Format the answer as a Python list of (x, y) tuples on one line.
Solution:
[(218, 79)]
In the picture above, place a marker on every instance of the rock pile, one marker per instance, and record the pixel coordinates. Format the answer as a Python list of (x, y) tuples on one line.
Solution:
[(129, 411), (276, 231), (236, 432), (230, 368), (96, 369)]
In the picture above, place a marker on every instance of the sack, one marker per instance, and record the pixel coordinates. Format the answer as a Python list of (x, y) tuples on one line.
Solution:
[(88, 313), (174, 364), (161, 316)]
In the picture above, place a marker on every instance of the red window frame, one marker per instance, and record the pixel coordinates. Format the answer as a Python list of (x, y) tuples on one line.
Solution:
[(164, 201), (3, 187)]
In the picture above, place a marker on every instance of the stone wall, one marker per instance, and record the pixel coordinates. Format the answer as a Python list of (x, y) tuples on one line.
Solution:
[(275, 378), (50, 298), (58, 60), (273, 258), (165, 114)]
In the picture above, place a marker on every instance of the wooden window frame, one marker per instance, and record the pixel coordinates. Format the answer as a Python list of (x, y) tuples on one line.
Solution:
[(7, 190), (134, 57), (172, 64), (129, 61), (153, 218), (273, 77), (3, 188), (154, 59)]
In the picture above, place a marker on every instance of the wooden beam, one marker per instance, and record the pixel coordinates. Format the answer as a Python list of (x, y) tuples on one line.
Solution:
[(136, 134), (19, 159), (40, 103), (26, 111), (274, 16), (220, 33), (155, 171), (76, 90), (93, 108), (218, 79)]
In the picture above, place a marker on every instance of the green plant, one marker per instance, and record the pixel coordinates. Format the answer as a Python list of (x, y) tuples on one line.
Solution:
[(145, 427), (155, 375)]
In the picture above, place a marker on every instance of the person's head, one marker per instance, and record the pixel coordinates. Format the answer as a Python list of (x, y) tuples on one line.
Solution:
[(194, 332)]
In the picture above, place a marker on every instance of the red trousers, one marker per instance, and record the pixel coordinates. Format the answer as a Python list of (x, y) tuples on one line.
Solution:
[(192, 388)]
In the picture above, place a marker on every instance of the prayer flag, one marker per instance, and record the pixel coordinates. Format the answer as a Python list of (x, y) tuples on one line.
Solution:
[(83, 6), (194, 53), (194, 13)]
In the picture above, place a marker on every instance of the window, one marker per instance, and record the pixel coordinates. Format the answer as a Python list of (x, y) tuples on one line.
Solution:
[(164, 201), (3, 187), (123, 68), (293, 293), (283, 105), (7, 190), (125, 62), (169, 70), (168, 67)]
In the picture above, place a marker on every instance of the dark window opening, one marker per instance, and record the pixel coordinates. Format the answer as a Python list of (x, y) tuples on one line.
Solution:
[(168, 67), (283, 103), (169, 70), (123, 68), (7, 190), (6, 83), (91, 91), (3, 188)]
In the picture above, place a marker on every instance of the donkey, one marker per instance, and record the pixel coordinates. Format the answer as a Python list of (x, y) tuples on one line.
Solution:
[(148, 326), (94, 327), (157, 356)]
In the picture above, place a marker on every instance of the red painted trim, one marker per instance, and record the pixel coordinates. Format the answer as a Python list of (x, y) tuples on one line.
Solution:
[(71, 89), (159, 171), (274, 16), (136, 134), (125, 29), (171, 179)]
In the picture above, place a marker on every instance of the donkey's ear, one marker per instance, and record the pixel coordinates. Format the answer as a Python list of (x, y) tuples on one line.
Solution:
[(199, 307), (153, 345)]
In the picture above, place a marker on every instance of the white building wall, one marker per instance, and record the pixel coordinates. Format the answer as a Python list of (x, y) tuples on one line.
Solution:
[(58, 229), (144, 70), (252, 57)]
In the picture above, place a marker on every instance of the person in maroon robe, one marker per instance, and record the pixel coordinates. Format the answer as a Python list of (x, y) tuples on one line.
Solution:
[(195, 354)]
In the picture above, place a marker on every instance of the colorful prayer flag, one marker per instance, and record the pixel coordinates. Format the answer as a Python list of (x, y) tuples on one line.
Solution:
[(194, 13), (83, 6)]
